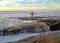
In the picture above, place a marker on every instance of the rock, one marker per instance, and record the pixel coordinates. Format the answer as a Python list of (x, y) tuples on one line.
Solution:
[(55, 27), (37, 27)]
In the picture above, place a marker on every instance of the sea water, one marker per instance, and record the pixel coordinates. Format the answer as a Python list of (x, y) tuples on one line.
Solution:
[(21, 36), (12, 38)]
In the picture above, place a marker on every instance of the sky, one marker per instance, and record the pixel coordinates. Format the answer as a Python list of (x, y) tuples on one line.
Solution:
[(13, 5)]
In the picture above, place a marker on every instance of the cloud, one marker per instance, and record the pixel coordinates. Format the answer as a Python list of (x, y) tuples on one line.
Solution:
[(20, 0), (29, 2), (34, 0), (3, 3)]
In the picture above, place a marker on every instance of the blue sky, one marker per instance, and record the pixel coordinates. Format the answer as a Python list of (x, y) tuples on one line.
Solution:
[(29, 3)]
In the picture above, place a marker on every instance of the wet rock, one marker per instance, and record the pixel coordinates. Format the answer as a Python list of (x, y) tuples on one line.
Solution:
[(37, 27), (55, 27)]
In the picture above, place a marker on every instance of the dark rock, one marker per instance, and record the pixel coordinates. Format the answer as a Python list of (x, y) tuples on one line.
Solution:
[(55, 27)]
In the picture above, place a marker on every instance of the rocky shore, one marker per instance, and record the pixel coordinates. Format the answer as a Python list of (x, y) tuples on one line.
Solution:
[(37, 27)]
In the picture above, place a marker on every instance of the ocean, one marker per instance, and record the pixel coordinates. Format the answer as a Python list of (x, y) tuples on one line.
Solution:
[(27, 13)]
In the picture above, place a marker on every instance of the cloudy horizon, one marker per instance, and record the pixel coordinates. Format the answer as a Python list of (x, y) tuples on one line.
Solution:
[(29, 4)]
